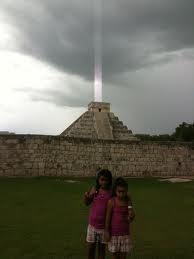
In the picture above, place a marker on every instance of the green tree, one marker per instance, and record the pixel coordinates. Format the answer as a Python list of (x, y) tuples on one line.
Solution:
[(184, 132)]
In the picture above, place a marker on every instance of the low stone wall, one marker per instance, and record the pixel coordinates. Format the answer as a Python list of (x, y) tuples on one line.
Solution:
[(34, 155)]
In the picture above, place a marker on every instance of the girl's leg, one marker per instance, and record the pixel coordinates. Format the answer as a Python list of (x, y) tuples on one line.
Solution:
[(91, 250), (101, 251), (123, 256)]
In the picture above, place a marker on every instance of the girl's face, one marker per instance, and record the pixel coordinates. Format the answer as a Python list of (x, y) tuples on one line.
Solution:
[(103, 182), (121, 192)]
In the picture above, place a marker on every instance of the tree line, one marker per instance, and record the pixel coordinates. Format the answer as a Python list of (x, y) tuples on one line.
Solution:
[(184, 132)]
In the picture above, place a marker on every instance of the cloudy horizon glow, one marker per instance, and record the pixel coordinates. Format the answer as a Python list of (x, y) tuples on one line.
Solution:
[(47, 58)]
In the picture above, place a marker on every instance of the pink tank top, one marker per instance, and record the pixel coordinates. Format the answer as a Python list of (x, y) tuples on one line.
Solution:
[(98, 210), (119, 222)]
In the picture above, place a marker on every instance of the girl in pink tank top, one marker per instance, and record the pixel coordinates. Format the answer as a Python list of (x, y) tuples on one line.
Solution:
[(118, 217), (98, 197)]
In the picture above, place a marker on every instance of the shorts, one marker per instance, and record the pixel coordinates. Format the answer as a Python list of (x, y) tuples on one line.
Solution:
[(121, 244), (95, 235)]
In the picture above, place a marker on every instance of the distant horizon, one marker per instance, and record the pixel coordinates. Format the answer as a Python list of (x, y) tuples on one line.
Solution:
[(4, 132)]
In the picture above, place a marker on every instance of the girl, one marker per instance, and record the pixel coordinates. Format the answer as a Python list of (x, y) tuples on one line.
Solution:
[(98, 197), (118, 217)]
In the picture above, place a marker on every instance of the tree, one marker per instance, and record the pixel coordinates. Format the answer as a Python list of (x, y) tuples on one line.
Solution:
[(184, 132)]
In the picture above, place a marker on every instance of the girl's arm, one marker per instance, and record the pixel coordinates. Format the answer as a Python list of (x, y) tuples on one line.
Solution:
[(129, 199), (89, 196), (131, 209), (108, 220)]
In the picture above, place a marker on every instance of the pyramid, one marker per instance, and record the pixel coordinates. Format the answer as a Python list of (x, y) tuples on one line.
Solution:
[(99, 123)]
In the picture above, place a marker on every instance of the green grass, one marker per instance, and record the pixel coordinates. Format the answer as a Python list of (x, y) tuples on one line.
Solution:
[(45, 218)]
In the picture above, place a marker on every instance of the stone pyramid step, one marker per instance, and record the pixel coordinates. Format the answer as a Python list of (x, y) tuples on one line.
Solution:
[(99, 123)]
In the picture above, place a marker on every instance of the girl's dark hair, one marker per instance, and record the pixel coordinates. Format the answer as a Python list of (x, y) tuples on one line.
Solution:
[(106, 173), (120, 181)]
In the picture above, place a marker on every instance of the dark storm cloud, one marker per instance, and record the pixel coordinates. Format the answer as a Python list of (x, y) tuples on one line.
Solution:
[(56, 32), (61, 32), (78, 97)]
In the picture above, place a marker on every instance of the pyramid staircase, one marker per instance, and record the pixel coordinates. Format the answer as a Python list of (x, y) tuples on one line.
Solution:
[(99, 123)]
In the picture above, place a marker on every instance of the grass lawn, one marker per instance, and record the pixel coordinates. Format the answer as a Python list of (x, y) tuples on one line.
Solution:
[(45, 218)]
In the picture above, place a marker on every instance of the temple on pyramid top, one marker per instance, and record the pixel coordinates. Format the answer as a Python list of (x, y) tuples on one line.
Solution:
[(99, 123)]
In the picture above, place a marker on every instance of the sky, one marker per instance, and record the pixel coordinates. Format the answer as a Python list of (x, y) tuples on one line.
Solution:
[(47, 63)]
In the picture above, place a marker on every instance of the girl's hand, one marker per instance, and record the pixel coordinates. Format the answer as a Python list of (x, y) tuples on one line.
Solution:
[(86, 195), (87, 198), (92, 192), (107, 236), (89, 195)]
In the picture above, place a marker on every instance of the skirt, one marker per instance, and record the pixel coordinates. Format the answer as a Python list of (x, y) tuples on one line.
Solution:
[(121, 244), (95, 235)]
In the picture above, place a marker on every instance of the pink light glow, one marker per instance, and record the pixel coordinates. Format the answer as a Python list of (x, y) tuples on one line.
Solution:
[(98, 84), (97, 50)]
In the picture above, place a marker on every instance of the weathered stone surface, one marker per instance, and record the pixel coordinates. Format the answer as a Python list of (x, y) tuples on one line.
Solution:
[(99, 123), (35, 155)]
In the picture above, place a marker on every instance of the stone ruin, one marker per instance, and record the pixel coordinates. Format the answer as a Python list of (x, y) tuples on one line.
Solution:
[(99, 123), (97, 139)]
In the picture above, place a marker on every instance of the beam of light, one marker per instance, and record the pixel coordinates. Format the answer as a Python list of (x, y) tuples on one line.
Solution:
[(98, 50)]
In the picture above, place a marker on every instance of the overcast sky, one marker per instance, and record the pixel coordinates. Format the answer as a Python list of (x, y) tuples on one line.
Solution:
[(47, 63)]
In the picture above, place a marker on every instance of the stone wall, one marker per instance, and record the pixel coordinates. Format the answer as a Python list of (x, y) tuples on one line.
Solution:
[(34, 155)]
